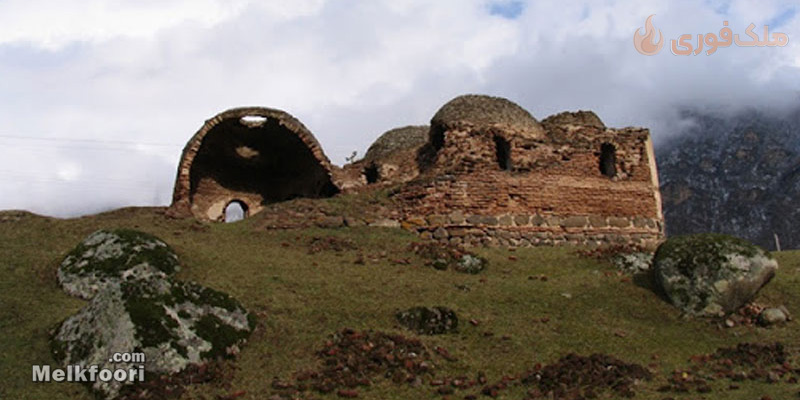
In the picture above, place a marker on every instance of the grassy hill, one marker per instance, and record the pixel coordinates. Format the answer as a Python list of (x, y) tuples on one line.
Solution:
[(302, 296)]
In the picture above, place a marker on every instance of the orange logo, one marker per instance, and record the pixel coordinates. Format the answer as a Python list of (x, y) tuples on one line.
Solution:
[(645, 44)]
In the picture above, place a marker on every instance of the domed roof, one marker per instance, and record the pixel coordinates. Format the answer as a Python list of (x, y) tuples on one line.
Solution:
[(482, 111), (397, 139), (580, 117)]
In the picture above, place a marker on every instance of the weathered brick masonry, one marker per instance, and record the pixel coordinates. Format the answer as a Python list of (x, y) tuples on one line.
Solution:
[(495, 175), (486, 172), (253, 156)]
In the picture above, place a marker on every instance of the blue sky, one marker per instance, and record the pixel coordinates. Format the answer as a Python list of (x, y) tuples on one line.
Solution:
[(782, 18), (507, 9), (97, 98)]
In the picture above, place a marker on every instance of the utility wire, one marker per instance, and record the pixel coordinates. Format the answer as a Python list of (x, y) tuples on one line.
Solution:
[(72, 147), (76, 184), (103, 180), (98, 141)]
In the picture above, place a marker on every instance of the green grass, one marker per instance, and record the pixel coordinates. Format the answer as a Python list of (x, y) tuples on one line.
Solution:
[(301, 298)]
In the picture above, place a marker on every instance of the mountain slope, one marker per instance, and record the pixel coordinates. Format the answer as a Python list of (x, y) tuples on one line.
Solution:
[(736, 174)]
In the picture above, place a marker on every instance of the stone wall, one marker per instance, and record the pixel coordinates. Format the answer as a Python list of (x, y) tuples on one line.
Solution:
[(530, 230)]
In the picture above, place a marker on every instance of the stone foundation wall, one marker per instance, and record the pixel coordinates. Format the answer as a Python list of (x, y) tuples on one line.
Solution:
[(531, 230)]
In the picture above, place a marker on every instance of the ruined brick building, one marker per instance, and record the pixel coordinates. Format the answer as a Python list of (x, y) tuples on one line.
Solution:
[(253, 156), (484, 172)]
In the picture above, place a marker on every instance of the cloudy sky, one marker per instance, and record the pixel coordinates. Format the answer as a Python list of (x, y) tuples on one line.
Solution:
[(97, 98)]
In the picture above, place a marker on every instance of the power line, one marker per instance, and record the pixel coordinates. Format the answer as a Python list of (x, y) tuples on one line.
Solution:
[(77, 184), (99, 180), (98, 141), (45, 146)]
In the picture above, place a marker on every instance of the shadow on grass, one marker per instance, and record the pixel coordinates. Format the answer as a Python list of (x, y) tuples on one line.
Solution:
[(647, 280)]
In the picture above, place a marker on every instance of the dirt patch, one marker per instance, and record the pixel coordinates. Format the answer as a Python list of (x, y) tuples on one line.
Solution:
[(579, 377), (572, 377), (218, 373), (330, 243), (351, 359), (770, 363)]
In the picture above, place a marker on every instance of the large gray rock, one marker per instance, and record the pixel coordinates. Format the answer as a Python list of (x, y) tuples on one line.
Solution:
[(711, 274), (108, 257), (175, 324)]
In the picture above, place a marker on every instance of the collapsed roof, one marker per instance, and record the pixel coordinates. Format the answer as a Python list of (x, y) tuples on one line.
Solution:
[(252, 156)]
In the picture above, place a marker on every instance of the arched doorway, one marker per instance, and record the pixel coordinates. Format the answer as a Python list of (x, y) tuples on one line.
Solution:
[(235, 211)]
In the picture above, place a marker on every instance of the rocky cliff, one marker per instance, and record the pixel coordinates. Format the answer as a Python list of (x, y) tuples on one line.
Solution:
[(734, 173)]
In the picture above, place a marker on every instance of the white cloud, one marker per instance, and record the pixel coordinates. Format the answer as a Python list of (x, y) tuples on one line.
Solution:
[(152, 72)]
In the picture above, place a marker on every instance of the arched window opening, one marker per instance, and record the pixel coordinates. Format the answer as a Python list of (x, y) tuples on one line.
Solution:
[(235, 211), (608, 160), (503, 152), (437, 137), (372, 174)]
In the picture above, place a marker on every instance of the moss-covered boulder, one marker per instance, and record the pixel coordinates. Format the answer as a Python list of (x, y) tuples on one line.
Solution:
[(428, 320), (711, 274), (174, 324), (110, 256)]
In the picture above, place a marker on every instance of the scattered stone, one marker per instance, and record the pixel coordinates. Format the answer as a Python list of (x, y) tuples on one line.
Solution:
[(444, 353), (108, 257), (428, 320), (351, 359), (772, 316), (633, 263), (471, 264), (628, 258), (769, 363), (575, 377), (711, 274), (446, 256)]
